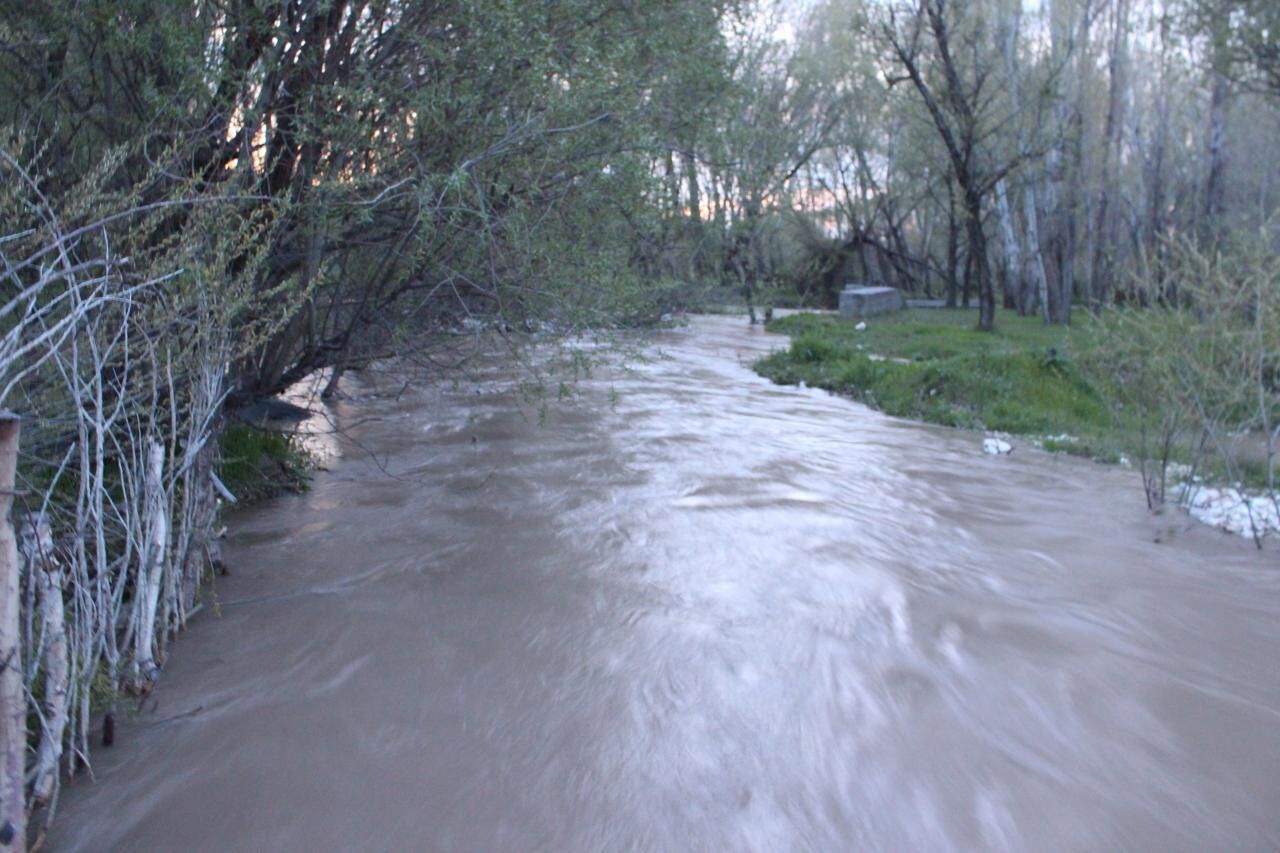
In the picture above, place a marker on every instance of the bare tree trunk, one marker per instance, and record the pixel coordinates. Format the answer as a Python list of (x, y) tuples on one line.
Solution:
[(672, 183), (978, 261), (46, 573), (13, 704), (199, 513), (1036, 256), (717, 205), (957, 127), (1154, 171), (1066, 157), (1103, 238), (691, 183), (199, 509), (1069, 177), (1013, 262), (966, 292), (694, 235), (1215, 183), (926, 240), (1156, 179), (1032, 268), (151, 569), (953, 249)]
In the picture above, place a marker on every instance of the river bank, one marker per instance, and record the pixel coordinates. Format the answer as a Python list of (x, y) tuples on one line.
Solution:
[(1047, 385), (694, 609)]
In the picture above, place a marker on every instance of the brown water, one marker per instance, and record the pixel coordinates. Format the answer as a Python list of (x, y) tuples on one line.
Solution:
[(716, 615)]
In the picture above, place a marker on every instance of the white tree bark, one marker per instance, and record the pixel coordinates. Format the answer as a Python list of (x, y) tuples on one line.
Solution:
[(47, 575), (151, 568), (1009, 240), (1033, 258), (197, 516), (13, 704)]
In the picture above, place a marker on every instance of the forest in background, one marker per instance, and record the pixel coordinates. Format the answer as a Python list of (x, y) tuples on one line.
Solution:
[(1037, 158), (204, 201)]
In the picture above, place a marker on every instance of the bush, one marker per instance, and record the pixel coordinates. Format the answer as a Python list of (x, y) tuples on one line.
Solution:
[(1192, 365), (813, 348)]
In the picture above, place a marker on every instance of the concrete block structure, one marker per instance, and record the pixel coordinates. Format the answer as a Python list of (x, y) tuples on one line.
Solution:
[(857, 301)]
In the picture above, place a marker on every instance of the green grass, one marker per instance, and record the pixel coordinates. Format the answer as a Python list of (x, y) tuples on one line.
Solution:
[(260, 463), (927, 334), (1022, 378)]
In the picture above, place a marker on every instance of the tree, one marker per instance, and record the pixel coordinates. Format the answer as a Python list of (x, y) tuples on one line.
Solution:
[(1244, 40), (401, 147), (959, 105), (202, 203)]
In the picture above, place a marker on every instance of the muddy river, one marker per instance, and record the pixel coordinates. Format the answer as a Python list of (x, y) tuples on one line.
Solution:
[(695, 611)]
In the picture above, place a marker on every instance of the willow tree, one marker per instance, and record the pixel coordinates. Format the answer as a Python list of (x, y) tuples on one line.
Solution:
[(422, 158), (203, 202)]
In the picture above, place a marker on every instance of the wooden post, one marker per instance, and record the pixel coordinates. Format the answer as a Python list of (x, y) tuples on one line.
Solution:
[(13, 705)]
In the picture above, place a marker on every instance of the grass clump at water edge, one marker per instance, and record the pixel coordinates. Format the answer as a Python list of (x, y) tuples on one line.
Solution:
[(260, 463)]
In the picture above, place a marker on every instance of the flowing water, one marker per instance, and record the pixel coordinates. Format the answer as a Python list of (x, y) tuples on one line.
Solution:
[(705, 614)]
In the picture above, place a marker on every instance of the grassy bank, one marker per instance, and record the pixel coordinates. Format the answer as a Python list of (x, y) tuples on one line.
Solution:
[(1183, 396), (261, 463), (933, 365)]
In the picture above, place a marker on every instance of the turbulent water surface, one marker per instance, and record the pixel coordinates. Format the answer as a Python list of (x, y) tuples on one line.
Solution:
[(695, 611)]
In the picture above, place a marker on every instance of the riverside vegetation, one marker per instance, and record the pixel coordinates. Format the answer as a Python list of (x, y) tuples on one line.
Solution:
[(203, 203), (1187, 383), (935, 365)]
